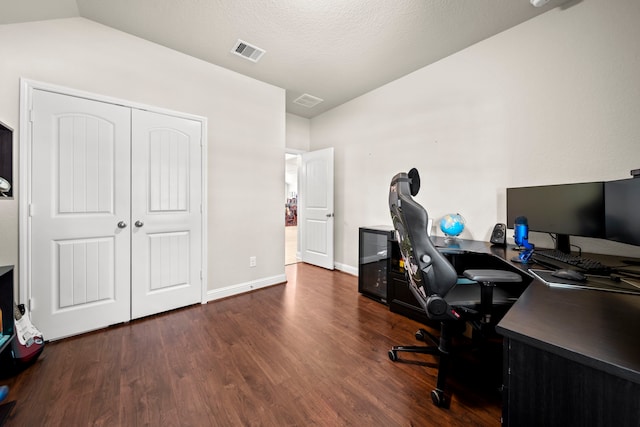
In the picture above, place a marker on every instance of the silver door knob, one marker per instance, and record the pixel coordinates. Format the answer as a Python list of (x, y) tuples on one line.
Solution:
[(122, 224), (139, 224)]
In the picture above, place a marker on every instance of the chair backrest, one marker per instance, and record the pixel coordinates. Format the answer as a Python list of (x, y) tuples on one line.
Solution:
[(431, 276)]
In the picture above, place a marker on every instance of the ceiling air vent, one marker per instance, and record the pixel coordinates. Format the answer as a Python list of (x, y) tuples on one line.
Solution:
[(307, 100), (247, 51)]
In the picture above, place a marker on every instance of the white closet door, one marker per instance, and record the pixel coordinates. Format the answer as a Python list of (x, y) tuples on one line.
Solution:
[(80, 191), (165, 213)]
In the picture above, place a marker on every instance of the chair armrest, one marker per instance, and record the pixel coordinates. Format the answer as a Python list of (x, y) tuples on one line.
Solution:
[(492, 276)]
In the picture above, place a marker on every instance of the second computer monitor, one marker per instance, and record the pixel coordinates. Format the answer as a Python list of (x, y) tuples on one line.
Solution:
[(622, 210)]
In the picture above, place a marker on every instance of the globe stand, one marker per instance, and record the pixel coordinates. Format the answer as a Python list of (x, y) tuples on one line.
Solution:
[(452, 225), (452, 241)]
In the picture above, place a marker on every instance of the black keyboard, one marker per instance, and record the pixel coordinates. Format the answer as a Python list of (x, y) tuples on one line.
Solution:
[(557, 259)]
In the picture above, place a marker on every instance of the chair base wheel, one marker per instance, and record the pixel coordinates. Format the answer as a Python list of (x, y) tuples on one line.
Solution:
[(393, 355), (438, 398)]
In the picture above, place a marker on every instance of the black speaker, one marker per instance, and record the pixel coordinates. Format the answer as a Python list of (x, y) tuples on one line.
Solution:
[(499, 235)]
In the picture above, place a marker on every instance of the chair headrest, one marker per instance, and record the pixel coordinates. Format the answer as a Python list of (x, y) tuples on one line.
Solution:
[(414, 181)]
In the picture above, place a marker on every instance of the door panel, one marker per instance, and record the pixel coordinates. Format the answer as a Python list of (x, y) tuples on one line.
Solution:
[(166, 203), (86, 271), (85, 164), (168, 158), (169, 260), (316, 208), (80, 190)]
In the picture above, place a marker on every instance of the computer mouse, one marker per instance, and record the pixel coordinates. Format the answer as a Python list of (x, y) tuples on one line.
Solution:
[(566, 273)]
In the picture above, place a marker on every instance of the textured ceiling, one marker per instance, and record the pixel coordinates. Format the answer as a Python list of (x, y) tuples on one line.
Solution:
[(332, 49)]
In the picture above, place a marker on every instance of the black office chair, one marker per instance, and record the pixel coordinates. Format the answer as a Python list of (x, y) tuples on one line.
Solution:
[(434, 282)]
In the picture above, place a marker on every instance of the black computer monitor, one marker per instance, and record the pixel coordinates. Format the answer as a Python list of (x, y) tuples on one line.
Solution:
[(622, 210), (565, 210)]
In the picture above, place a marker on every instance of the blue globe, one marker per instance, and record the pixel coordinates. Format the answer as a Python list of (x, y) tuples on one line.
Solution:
[(452, 224)]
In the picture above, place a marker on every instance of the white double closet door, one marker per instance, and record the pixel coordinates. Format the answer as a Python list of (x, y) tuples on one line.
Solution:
[(115, 213)]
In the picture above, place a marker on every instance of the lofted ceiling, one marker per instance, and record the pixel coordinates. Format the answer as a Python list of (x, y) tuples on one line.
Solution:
[(335, 50)]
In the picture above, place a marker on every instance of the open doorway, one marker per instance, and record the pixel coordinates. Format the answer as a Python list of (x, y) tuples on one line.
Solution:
[(292, 164)]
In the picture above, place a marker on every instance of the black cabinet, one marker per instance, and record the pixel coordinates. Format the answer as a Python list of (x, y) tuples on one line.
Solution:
[(374, 261), (7, 329), (381, 273)]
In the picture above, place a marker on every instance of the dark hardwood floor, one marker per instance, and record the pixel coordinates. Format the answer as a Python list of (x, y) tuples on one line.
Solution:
[(309, 352)]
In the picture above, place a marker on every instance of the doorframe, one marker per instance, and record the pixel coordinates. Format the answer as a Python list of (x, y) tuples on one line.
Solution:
[(299, 154), (27, 86)]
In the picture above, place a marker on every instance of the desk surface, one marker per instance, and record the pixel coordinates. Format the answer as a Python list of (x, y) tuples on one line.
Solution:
[(596, 328)]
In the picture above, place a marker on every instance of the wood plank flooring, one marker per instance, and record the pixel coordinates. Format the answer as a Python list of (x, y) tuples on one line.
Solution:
[(309, 352), (290, 244)]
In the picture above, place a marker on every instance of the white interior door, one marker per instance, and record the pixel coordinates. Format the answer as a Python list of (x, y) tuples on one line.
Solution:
[(80, 192), (316, 208), (165, 213)]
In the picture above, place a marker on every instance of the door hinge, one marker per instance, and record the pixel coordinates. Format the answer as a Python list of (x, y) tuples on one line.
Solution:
[(30, 210), (30, 304), (31, 115), (201, 275)]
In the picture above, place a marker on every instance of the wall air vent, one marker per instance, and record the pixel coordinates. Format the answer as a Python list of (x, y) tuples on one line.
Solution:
[(307, 100), (247, 51)]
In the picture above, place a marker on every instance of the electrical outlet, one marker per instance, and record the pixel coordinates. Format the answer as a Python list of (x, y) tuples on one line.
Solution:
[(252, 261)]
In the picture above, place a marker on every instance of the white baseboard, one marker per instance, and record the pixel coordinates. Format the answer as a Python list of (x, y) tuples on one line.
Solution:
[(346, 268), (241, 288)]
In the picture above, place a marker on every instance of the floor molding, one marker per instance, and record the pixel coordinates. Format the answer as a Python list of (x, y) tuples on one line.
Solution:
[(346, 268), (241, 288)]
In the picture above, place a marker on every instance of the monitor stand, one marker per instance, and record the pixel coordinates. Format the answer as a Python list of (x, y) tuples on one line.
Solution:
[(562, 243)]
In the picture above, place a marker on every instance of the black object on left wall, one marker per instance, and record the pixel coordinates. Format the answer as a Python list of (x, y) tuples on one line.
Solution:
[(6, 156)]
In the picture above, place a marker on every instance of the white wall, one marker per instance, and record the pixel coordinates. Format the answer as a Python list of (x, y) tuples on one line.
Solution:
[(246, 132), (298, 135), (553, 100), (291, 177)]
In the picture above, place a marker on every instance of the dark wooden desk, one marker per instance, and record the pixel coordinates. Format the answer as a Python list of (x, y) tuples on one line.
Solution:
[(571, 356)]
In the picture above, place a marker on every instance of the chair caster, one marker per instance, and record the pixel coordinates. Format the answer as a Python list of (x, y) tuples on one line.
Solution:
[(420, 335), (393, 355), (438, 398)]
